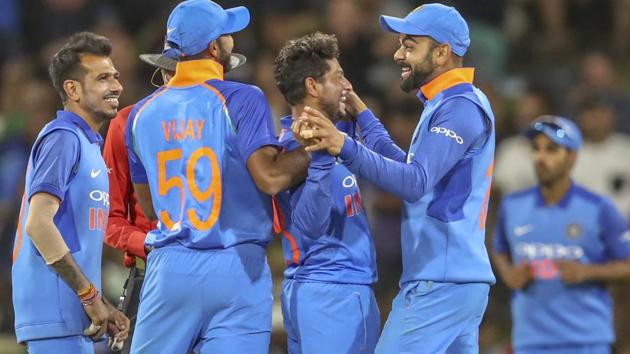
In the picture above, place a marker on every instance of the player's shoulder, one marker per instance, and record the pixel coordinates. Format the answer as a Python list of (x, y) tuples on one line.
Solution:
[(58, 135), (141, 105), (59, 129), (154, 94), (462, 103), (232, 90), (590, 196)]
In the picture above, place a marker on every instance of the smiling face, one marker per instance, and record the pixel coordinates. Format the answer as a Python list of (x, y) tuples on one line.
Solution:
[(100, 88), (333, 83), (416, 59)]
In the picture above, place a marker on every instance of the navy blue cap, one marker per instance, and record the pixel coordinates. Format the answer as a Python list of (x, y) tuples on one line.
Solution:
[(193, 24), (560, 130), (442, 23)]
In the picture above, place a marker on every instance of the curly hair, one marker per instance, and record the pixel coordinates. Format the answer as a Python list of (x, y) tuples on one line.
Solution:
[(66, 63), (301, 58)]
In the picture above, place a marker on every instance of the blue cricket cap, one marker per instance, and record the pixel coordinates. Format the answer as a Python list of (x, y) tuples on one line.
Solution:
[(442, 23), (560, 130), (193, 24)]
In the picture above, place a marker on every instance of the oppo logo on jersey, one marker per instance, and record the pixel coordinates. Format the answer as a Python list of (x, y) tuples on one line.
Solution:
[(98, 216), (100, 196), (349, 182), (449, 133), (548, 251)]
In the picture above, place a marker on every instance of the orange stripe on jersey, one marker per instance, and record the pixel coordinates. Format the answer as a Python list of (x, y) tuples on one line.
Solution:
[(483, 215), (490, 170), (149, 100), (223, 101), (214, 89), (294, 247), (279, 226), (278, 217), (18, 242)]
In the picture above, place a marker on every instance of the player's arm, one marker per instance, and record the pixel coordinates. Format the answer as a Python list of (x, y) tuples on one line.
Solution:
[(137, 171), (616, 237), (120, 233), (435, 156), (143, 192), (311, 212), (41, 229), (54, 158), (373, 133), (311, 204), (515, 277), (271, 170)]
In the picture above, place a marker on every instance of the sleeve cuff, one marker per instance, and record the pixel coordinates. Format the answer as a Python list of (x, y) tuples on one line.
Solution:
[(365, 117), (46, 188), (348, 150), (259, 144)]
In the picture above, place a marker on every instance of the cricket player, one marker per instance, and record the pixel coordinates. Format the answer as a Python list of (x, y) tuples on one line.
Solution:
[(328, 303), (557, 245), (59, 239), (444, 181), (128, 226), (204, 161)]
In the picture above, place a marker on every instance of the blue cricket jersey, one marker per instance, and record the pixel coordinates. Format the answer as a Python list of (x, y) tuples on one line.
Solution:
[(190, 141), (66, 162), (444, 180), (327, 237), (582, 227)]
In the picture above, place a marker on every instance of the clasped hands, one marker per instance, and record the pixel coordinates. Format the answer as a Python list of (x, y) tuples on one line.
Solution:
[(314, 130)]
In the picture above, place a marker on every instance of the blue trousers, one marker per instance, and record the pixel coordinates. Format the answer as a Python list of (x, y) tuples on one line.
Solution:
[(329, 318), (429, 317), (206, 301)]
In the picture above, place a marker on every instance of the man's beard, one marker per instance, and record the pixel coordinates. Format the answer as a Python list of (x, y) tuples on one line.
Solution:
[(100, 113), (332, 110), (419, 75), (224, 58)]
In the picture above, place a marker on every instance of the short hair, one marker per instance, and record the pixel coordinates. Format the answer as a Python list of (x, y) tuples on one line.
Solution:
[(66, 63), (301, 58)]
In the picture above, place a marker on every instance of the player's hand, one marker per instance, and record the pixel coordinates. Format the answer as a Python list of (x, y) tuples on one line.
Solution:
[(322, 130), (117, 328), (297, 127), (519, 276), (99, 315), (572, 272), (353, 105)]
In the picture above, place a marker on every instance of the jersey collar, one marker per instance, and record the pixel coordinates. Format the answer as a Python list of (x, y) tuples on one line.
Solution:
[(195, 72), (563, 203), (92, 136), (445, 81)]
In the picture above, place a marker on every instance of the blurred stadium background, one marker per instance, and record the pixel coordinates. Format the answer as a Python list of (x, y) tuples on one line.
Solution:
[(533, 57)]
